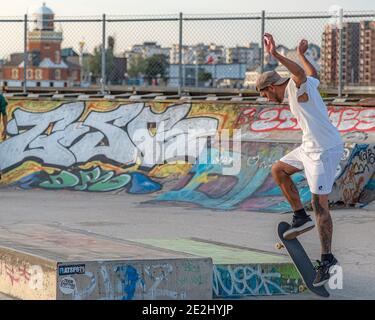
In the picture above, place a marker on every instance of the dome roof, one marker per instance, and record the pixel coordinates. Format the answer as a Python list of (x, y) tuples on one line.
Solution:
[(44, 10)]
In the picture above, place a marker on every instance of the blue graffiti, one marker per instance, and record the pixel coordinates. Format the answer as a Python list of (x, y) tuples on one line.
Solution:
[(141, 184), (129, 278)]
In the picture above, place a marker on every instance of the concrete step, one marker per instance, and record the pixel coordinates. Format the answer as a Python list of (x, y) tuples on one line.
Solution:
[(50, 262), (239, 272)]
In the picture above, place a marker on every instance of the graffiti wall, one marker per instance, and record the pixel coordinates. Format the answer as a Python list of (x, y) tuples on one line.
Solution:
[(157, 147), (234, 281), (277, 123), (176, 279)]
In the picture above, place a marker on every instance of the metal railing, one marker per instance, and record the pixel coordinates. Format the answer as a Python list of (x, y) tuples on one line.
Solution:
[(190, 60)]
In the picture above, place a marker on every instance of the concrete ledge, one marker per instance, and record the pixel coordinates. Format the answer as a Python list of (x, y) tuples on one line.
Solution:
[(41, 262), (239, 272)]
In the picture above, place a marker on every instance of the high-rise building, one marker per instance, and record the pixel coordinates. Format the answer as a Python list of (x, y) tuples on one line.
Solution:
[(331, 54), (367, 54)]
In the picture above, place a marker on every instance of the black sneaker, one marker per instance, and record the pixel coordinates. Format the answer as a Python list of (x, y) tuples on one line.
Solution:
[(299, 225), (322, 272)]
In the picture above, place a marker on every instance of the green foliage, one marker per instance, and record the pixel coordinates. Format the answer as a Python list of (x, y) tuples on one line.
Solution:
[(95, 61), (149, 68), (204, 76)]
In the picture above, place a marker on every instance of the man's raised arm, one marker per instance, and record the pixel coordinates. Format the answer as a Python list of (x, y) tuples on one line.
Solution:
[(309, 68), (298, 74)]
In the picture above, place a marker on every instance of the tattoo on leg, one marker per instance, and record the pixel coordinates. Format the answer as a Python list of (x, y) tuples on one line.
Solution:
[(325, 227), (293, 188)]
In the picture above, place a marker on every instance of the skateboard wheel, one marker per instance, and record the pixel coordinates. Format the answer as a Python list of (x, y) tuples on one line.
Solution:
[(279, 246), (301, 288)]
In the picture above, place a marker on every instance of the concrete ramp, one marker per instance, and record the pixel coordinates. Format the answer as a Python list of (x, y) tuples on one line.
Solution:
[(252, 187), (149, 147), (45, 262), (237, 271), (58, 263)]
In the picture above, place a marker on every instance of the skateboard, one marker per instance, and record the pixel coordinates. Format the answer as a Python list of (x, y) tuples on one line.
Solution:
[(300, 260)]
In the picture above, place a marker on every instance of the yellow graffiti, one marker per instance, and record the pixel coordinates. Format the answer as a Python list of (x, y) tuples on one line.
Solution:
[(108, 167), (24, 170), (205, 178), (168, 170)]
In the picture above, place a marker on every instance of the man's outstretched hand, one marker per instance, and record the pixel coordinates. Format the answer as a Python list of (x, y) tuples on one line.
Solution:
[(302, 47), (269, 44)]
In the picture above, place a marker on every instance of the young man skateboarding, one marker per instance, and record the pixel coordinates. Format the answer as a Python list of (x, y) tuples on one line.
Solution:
[(319, 153)]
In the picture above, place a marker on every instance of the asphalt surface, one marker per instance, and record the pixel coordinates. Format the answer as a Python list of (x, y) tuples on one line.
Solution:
[(122, 216)]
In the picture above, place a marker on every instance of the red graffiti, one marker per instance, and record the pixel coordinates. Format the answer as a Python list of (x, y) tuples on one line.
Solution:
[(345, 119), (23, 273), (246, 117), (11, 273)]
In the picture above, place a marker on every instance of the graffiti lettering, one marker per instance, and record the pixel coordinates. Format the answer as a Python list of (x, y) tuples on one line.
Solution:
[(348, 119), (58, 138)]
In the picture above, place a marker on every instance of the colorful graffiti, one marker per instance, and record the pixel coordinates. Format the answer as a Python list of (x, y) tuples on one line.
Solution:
[(96, 146), (281, 118), (140, 148), (137, 281), (355, 177), (251, 189), (233, 281)]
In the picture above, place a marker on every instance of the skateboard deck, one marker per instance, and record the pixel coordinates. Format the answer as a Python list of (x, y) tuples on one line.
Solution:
[(301, 261)]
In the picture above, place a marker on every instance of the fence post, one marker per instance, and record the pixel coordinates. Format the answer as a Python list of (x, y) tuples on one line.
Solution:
[(340, 88), (262, 41), (25, 55), (180, 42), (103, 69)]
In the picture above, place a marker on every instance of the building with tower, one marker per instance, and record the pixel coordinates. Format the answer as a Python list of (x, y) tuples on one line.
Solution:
[(45, 67)]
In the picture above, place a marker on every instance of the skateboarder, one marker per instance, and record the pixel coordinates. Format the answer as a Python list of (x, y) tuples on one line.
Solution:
[(319, 153)]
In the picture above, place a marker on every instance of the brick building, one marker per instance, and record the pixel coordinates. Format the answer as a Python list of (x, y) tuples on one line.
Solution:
[(45, 67), (367, 53)]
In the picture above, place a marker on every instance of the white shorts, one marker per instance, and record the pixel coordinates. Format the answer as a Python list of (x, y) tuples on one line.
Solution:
[(320, 167)]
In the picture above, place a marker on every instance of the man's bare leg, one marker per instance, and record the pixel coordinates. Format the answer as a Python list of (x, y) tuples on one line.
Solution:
[(325, 229), (302, 222), (281, 173), (323, 220)]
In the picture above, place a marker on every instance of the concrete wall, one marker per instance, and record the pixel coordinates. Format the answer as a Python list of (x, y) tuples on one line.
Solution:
[(174, 279), (103, 146), (27, 277)]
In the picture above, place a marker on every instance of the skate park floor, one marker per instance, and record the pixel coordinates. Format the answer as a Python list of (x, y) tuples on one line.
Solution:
[(124, 217)]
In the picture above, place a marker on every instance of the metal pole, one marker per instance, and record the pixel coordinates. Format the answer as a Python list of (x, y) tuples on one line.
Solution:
[(25, 55), (263, 17), (103, 79), (341, 35), (180, 57)]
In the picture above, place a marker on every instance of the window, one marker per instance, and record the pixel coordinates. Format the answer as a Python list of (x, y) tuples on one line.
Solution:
[(30, 74), (38, 74), (57, 74), (57, 57), (14, 73)]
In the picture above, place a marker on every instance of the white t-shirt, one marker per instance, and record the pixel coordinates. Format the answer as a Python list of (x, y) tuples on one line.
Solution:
[(318, 133)]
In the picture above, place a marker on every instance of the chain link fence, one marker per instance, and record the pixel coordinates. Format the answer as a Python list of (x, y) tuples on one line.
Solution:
[(182, 51)]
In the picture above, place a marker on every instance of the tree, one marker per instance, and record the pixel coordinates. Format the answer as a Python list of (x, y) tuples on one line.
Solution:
[(156, 66), (95, 61), (204, 76), (137, 66)]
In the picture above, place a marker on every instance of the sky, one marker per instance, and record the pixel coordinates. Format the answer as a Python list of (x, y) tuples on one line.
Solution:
[(228, 33), (95, 7)]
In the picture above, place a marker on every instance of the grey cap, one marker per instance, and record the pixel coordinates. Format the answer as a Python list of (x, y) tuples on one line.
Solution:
[(267, 78)]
